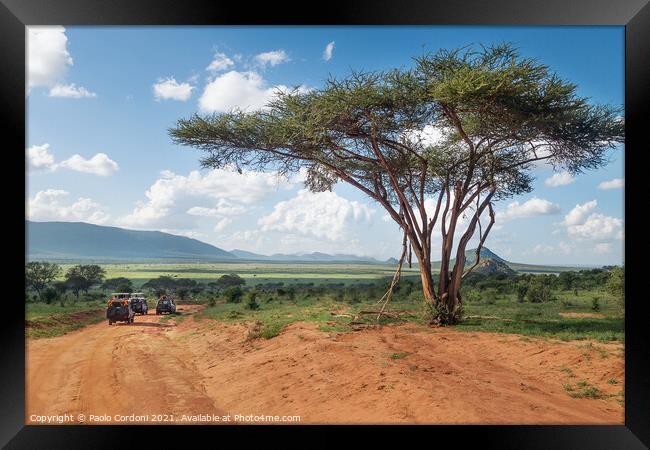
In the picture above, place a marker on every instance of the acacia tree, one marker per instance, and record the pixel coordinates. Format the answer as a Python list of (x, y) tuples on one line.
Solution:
[(38, 274), (494, 114), (83, 277)]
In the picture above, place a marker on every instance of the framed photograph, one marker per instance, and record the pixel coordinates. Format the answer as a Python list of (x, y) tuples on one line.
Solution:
[(412, 213)]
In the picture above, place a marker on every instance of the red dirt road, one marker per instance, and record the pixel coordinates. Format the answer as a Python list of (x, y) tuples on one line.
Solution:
[(154, 370)]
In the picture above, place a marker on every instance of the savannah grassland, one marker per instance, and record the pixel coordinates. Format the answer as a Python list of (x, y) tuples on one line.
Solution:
[(308, 347), (332, 295)]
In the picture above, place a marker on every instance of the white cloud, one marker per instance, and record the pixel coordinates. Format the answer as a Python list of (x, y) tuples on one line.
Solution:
[(39, 157), (223, 208), (530, 208), (70, 91), (327, 53), (616, 183), (426, 137), (322, 215), (170, 89), (582, 223), (559, 179), (176, 201), (242, 90), (220, 62), (598, 227), (222, 224), (579, 213), (48, 58), (51, 204), (272, 58), (100, 164)]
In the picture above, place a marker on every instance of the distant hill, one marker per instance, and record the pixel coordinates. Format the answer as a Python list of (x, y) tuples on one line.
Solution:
[(72, 241), (83, 241), (492, 263)]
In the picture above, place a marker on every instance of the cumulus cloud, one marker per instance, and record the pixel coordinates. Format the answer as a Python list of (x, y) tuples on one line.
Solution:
[(242, 90), (559, 179), (324, 215), (220, 62), (100, 164), (48, 58), (53, 204), (329, 49), (272, 58), (616, 183), (530, 208), (579, 213), (582, 223), (170, 89), (70, 91), (39, 157), (177, 201), (598, 227)]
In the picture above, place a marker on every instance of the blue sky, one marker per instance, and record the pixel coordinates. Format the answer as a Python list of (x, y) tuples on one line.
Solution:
[(100, 101)]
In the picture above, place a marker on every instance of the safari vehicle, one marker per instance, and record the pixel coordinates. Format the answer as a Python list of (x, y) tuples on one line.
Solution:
[(166, 305), (139, 303), (119, 308)]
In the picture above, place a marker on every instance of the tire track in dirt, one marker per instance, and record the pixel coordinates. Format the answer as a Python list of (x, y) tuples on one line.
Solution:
[(114, 370)]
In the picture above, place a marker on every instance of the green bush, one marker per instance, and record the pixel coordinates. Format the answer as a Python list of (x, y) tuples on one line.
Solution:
[(251, 300), (233, 294), (522, 289), (49, 295), (539, 291)]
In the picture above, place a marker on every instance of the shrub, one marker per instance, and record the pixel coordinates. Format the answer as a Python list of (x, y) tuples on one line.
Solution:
[(522, 289), (49, 295), (490, 295), (233, 294), (539, 291), (251, 300)]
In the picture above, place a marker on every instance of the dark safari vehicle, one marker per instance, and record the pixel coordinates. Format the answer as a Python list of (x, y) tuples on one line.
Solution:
[(165, 305), (139, 303), (119, 309)]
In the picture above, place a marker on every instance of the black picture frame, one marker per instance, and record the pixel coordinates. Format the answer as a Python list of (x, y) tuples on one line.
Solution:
[(633, 14)]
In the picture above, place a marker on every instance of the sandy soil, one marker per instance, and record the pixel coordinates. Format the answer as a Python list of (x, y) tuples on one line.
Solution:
[(394, 374)]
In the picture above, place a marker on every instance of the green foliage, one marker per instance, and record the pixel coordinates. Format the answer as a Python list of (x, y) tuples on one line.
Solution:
[(49, 295), (82, 277), (616, 284), (119, 284), (182, 293), (233, 294), (251, 300), (228, 280), (39, 274), (539, 291), (522, 290)]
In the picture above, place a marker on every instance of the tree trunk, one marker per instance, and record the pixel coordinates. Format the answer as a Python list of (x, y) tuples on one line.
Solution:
[(427, 284)]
